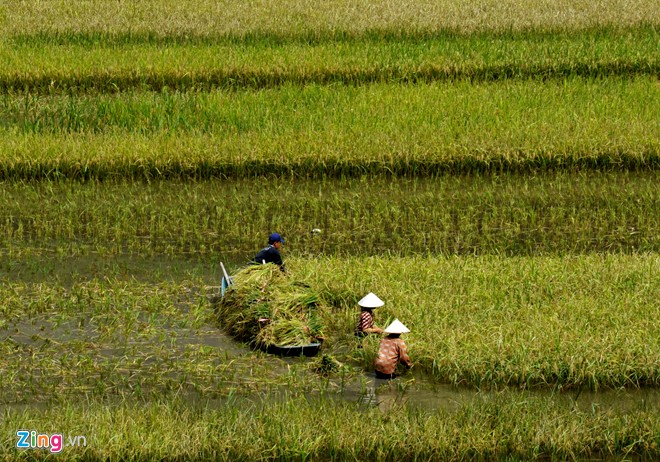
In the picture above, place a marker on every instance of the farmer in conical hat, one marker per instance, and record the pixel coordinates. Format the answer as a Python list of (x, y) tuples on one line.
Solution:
[(271, 254), (365, 323), (392, 351)]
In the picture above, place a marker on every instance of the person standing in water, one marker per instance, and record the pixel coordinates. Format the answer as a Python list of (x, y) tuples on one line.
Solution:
[(392, 351)]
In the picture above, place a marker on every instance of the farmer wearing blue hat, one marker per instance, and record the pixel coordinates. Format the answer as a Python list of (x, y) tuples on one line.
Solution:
[(271, 254)]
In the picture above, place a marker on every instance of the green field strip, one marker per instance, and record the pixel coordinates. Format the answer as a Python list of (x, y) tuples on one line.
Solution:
[(319, 131), (107, 67), (553, 214), (526, 114)]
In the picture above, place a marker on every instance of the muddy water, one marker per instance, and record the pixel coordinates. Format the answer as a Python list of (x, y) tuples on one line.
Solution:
[(36, 332), (419, 392), (66, 270)]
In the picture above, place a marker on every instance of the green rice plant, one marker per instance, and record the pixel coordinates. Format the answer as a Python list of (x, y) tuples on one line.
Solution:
[(47, 67), (508, 426), (565, 322), (553, 214), (422, 130), (578, 104)]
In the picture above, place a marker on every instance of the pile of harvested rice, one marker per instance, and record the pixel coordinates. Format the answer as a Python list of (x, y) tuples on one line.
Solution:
[(265, 307)]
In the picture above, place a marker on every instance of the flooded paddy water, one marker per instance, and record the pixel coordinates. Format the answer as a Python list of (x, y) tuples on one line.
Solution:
[(156, 343)]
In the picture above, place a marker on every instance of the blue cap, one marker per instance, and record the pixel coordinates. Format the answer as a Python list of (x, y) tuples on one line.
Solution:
[(275, 237)]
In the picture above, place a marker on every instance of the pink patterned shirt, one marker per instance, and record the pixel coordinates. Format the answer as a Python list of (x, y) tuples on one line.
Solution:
[(391, 352)]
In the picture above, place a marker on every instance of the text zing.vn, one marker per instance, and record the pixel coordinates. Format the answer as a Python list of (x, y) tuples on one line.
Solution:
[(31, 440)]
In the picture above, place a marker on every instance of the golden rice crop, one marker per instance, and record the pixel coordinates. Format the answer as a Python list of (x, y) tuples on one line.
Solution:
[(286, 17), (266, 307)]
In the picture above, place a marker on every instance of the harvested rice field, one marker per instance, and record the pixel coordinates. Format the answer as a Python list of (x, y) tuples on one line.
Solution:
[(489, 170)]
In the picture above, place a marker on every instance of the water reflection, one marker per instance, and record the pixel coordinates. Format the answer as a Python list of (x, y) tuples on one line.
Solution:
[(404, 392), (419, 393), (384, 394)]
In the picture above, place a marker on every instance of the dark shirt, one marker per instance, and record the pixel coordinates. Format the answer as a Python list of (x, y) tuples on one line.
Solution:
[(269, 255)]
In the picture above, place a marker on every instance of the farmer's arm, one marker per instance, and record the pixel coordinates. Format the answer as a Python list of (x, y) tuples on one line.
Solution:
[(403, 355), (374, 330)]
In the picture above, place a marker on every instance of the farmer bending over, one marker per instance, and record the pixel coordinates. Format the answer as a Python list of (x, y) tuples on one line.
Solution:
[(392, 351)]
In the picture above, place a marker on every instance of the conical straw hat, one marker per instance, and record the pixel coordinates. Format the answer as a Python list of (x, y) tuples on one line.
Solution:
[(370, 301), (396, 327)]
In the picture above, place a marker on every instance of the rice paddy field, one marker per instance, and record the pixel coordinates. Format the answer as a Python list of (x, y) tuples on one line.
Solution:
[(489, 169)]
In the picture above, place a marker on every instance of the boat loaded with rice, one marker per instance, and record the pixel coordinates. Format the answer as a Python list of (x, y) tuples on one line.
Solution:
[(271, 311)]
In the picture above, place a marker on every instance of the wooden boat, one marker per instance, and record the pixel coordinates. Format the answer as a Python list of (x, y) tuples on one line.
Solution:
[(308, 350)]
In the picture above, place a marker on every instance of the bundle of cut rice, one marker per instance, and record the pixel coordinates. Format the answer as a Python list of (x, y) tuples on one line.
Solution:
[(265, 307)]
